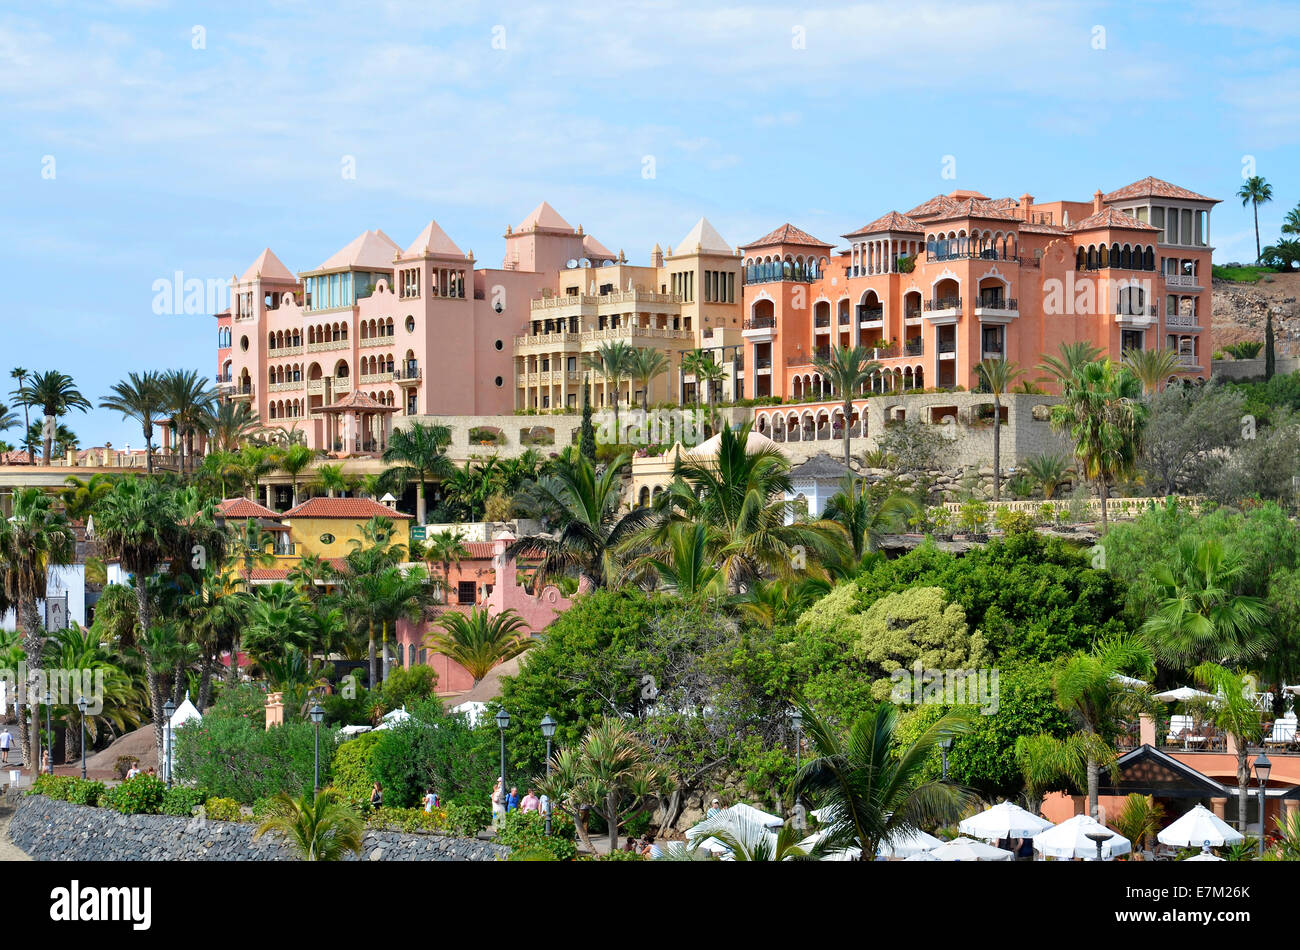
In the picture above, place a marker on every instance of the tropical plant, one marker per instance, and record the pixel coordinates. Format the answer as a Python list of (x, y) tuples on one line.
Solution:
[(613, 361), (231, 424), (1255, 192), (57, 395), (189, 400), (139, 397), (846, 369), (295, 460), (868, 513), (331, 480), (1048, 470), (645, 365), (34, 539), (20, 374), (1139, 820), (748, 839), (869, 786), (416, 454), (1151, 367), (1234, 710), (479, 640), (445, 548), (316, 826), (997, 375)]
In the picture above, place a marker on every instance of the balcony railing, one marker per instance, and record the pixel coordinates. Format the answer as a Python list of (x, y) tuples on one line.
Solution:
[(763, 362), (947, 346), (967, 254), (913, 314), (820, 322), (943, 303), (223, 379), (1181, 280), (845, 320), (760, 323), (914, 348), (408, 374), (1182, 320), (871, 314), (998, 303)]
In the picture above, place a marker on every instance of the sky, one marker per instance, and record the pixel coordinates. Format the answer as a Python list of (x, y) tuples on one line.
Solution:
[(143, 138)]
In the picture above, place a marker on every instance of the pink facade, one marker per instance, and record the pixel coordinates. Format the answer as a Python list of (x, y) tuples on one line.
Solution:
[(962, 277)]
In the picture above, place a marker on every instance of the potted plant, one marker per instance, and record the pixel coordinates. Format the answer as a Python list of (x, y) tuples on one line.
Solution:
[(974, 516), (941, 519), (1046, 513)]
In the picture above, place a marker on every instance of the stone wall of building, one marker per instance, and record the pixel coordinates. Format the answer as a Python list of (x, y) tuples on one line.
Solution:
[(52, 830)]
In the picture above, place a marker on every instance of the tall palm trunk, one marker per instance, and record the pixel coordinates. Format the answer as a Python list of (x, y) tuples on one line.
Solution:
[(1102, 493), (420, 507), (205, 681), (1258, 252), (370, 651), (49, 434), (1243, 784), (848, 411), (33, 644), (611, 818), (148, 448), (618, 436), (997, 447), (152, 677)]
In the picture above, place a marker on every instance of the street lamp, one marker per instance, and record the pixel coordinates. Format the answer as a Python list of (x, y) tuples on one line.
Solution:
[(1098, 837), (548, 730), (49, 730), (503, 723), (169, 710), (317, 714), (82, 704), (1262, 768), (944, 745)]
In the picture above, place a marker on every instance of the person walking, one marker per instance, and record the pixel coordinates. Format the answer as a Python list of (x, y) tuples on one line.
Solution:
[(430, 800), (530, 802), (6, 743), (512, 803), (498, 802), (377, 796)]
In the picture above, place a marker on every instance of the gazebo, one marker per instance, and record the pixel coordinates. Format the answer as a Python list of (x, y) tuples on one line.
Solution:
[(358, 424), (816, 480)]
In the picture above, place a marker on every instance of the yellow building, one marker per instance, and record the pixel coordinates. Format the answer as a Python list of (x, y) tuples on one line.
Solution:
[(681, 302)]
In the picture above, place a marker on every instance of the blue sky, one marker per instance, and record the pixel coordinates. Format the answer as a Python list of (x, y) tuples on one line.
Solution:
[(176, 149)]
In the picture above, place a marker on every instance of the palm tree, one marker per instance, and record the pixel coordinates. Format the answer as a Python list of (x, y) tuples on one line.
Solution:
[(316, 826), (21, 375), (138, 522), (847, 370), (613, 361), (417, 453), (1140, 820), (252, 546), (446, 548), (1234, 711), (139, 397), (748, 839), (1151, 367), (7, 419), (591, 528), (1090, 688), (1048, 469), (869, 785), (1290, 224), (1072, 358), (645, 365), (1104, 417), (331, 480), (686, 565), (190, 401), (230, 425), (479, 640), (295, 460), (402, 595), (998, 375), (612, 773), (75, 653), (255, 461), (1201, 617), (740, 494), (33, 539), (56, 394), (1255, 192), (868, 514), (82, 495)]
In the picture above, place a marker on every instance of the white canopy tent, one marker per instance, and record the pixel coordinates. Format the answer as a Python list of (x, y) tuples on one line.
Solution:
[(1003, 820), (1205, 856), (1200, 828), (471, 710), (1184, 694), (968, 849), (1070, 839), (922, 856), (908, 844), (185, 712), (394, 718)]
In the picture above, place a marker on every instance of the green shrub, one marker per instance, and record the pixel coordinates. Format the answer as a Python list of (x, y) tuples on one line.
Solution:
[(434, 750), (526, 830), (408, 820), (85, 792), (51, 786), (408, 685), (181, 800), (623, 856), (351, 778), (142, 795), (222, 809), (466, 821)]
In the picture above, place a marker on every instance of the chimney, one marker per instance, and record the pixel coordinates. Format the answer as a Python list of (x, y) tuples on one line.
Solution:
[(1096, 201)]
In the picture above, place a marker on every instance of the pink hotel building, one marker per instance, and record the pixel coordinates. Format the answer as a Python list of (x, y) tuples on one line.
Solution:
[(378, 330)]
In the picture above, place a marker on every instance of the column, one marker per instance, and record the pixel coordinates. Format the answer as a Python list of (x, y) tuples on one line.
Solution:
[(1218, 806)]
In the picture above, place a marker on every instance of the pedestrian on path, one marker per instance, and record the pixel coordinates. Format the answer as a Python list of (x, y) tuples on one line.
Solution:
[(6, 743)]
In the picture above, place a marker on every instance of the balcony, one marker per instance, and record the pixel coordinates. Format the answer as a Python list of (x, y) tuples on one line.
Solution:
[(822, 323), (293, 385), (760, 323), (325, 345), (763, 364), (277, 352), (886, 352), (947, 348), (1182, 320), (408, 376), (376, 341), (871, 316), (343, 384), (368, 379), (969, 254), (943, 303), (914, 348), (1182, 280), (997, 307), (315, 387), (246, 391)]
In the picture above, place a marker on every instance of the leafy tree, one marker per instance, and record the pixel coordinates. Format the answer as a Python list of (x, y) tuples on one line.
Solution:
[(1151, 367), (867, 512), (418, 453), (438, 751), (1139, 820), (1048, 470), (1236, 714), (913, 445), (588, 439), (1186, 432)]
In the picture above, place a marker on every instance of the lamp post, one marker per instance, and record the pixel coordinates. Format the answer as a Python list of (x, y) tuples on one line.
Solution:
[(503, 723), (49, 730), (317, 714), (82, 704), (1098, 837), (548, 730), (1262, 768), (944, 745), (169, 710)]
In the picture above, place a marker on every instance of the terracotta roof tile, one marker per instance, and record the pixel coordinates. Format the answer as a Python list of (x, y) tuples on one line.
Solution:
[(786, 234), (351, 508), (889, 222), (1154, 187), (1110, 218), (243, 508)]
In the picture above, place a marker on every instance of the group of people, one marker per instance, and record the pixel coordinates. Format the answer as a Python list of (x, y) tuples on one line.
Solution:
[(645, 847), (503, 801)]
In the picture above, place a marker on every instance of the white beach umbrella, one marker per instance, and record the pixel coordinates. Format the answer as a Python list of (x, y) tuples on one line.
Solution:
[(1205, 856), (1200, 827), (1003, 820), (907, 844), (1070, 839), (1128, 680), (1183, 694), (968, 849), (922, 856)]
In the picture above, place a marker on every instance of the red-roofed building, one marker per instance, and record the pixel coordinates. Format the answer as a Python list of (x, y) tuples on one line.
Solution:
[(962, 277)]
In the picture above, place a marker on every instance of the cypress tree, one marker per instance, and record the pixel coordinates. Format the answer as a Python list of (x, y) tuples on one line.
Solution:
[(1270, 357), (588, 440)]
